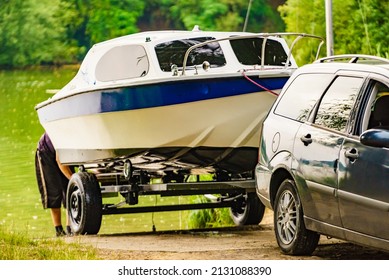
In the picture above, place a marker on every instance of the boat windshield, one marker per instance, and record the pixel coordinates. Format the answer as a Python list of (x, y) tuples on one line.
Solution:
[(123, 62), (249, 51), (173, 52)]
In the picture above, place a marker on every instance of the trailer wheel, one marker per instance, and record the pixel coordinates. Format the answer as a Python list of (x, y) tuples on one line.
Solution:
[(84, 203), (249, 211)]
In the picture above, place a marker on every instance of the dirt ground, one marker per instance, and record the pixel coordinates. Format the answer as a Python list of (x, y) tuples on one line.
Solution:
[(246, 243)]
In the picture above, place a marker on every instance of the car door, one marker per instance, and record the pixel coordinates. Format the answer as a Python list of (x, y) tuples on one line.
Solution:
[(363, 179), (317, 146)]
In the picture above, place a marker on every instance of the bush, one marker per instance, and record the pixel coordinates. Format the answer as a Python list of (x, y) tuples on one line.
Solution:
[(209, 218)]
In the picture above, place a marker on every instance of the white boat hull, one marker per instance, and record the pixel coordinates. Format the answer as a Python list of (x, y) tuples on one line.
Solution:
[(221, 125)]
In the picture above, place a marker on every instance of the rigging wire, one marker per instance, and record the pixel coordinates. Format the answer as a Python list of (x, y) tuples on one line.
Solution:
[(247, 16), (257, 84)]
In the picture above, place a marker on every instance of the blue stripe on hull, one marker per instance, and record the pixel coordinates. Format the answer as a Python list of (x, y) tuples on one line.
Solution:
[(155, 95)]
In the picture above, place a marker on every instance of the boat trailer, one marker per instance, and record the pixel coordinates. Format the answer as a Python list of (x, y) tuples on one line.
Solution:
[(88, 187)]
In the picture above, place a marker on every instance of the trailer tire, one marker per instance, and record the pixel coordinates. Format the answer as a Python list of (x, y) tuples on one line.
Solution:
[(250, 211), (84, 203)]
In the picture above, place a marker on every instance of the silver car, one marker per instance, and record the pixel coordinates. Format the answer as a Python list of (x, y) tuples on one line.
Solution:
[(324, 159)]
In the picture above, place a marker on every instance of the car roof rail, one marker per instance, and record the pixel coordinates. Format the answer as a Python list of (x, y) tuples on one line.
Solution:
[(353, 58)]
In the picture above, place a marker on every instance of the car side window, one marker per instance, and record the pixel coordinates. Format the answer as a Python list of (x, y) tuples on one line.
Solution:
[(336, 105), (301, 96), (376, 115)]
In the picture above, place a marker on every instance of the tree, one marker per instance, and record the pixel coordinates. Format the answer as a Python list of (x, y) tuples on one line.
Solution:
[(32, 32), (263, 17), (359, 26), (364, 28), (226, 15), (61, 31), (158, 16), (304, 16), (108, 19), (205, 13), (100, 20), (222, 15)]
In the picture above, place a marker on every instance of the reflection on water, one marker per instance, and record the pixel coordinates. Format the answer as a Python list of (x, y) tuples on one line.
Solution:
[(20, 206)]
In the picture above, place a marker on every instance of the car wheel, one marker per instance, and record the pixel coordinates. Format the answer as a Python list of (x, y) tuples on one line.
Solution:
[(292, 236)]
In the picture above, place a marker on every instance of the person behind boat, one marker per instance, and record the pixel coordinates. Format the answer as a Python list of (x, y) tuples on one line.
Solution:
[(52, 178)]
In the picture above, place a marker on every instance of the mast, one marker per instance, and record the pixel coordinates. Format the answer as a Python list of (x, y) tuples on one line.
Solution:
[(247, 16)]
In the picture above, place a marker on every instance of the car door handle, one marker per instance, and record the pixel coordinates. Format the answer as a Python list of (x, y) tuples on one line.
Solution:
[(306, 139), (352, 154)]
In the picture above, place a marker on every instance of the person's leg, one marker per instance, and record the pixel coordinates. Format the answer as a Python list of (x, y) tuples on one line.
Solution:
[(52, 186), (56, 218)]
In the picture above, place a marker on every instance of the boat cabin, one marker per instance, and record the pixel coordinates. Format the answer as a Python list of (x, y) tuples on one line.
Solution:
[(151, 56)]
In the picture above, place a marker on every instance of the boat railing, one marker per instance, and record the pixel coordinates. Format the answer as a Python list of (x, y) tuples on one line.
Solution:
[(265, 37)]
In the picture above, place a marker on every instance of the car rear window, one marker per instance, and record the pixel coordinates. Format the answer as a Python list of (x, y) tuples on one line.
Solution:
[(301, 96)]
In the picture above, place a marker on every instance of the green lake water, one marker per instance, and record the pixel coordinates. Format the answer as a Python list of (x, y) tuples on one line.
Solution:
[(20, 206)]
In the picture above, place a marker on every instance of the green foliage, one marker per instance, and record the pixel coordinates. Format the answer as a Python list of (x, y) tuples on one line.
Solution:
[(262, 17), (94, 21), (209, 218), (17, 246), (106, 19), (32, 32), (359, 26), (226, 15), (305, 16), (206, 13), (61, 31), (158, 16)]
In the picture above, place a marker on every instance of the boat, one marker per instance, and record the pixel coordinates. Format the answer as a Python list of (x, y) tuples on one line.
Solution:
[(169, 113), (170, 102)]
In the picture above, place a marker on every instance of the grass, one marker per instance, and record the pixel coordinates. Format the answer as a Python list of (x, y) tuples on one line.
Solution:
[(209, 218), (18, 246)]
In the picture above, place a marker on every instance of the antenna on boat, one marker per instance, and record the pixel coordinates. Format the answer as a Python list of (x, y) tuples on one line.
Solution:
[(247, 16)]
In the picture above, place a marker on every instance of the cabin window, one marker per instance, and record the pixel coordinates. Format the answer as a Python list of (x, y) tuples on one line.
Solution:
[(173, 52), (249, 51), (122, 62)]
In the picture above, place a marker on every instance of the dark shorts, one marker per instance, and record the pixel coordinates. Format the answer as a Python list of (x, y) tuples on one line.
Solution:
[(52, 183)]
